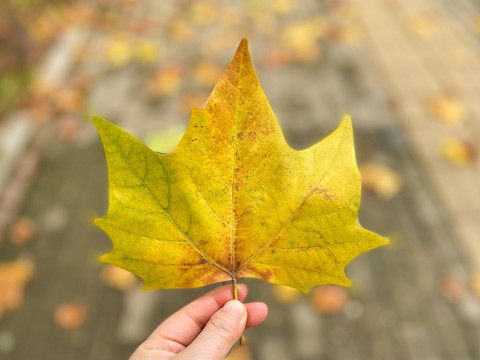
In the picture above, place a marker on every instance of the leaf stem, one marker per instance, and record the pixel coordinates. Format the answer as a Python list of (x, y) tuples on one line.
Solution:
[(235, 297)]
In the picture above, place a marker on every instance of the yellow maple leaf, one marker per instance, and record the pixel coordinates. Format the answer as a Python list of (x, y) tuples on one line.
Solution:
[(234, 200)]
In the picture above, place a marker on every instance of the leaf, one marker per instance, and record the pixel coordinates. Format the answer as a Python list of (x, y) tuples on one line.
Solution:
[(476, 25), (447, 109), (452, 288), (381, 180), (234, 200), (166, 81), (329, 300), (458, 152), (117, 278), (22, 231), (70, 316), (14, 276)]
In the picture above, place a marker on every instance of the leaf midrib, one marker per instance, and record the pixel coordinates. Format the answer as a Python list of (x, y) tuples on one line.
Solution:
[(234, 154)]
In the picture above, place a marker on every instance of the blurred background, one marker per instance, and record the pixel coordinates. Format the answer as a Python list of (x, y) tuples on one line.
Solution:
[(407, 71)]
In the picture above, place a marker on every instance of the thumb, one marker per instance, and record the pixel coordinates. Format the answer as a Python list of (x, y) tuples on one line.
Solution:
[(222, 331)]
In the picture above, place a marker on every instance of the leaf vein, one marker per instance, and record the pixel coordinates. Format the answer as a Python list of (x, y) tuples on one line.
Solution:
[(195, 245), (302, 202)]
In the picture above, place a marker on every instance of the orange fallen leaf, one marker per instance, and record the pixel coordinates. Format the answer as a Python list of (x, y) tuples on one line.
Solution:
[(22, 231), (207, 73), (180, 30), (166, 81), (117, 278), (68, 129), (452, 288), (70, 316), (381, 180), (347, 34), (447, 109), (69, 99), (329, 299), (14, 275), (277, 57)]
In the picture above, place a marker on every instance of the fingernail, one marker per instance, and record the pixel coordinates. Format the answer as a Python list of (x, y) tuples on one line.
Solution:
[(235, 308)]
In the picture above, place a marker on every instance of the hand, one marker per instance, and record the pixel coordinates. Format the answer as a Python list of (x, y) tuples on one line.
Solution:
[(205, 329)]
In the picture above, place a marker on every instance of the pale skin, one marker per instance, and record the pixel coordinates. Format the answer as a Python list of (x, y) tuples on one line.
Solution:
[(205, 329)]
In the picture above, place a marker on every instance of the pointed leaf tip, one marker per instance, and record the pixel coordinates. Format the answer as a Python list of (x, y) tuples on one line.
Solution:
[(242, 51), (96, 119), (347, 119), (243, 45)]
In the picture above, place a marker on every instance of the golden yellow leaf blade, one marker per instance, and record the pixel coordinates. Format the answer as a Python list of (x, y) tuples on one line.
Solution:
[(234, 200)]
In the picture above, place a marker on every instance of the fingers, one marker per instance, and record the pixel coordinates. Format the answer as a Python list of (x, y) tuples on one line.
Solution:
[(257, 312), (180, 329), (222, 331)]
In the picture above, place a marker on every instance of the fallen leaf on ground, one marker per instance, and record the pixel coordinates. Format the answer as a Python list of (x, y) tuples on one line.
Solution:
[(234, 200), (147, 51), (68, 129), (276, 57), (180, 30), (458, 152), (329, 299), (475, 283), (118, 51), (69, 99), (14, 275), (423, 26), (166, 81), (346, 33), (206, 73), (476, 25), (117, 278), (285, 294), (22, 231), (452, 288), (301, 40), (380, 179), (70, 316), (447, 109)]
